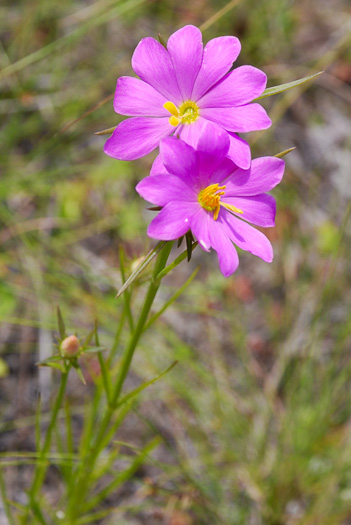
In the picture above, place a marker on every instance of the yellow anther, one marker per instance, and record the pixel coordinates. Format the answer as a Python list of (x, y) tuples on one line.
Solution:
[(210, 200), (231, 207), (172, 108), (210, 197), (187, 113), (174, 121)]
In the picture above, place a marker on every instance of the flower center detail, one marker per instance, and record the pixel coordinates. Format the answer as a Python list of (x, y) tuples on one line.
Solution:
[(187, 112), (210, 200)]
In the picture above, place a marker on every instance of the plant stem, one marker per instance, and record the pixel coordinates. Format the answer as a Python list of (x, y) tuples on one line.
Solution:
[(88, 462), (40, 469)]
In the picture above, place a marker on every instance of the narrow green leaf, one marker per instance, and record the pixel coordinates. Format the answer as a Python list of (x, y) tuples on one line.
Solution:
[(5, 501), (284, 87), (52, 364), (107, 131), (61, 324), (143, 264), (175, 263), (142, 387), (123, 476), (285, 152)]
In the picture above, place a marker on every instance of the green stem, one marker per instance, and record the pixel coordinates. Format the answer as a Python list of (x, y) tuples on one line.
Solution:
[(95, 449), (40, 469)]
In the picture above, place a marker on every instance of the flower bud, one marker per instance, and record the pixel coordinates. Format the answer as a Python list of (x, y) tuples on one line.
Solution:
[(70, 346)]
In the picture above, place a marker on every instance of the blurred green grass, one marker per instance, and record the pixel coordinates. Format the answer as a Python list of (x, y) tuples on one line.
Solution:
[(255, 417)]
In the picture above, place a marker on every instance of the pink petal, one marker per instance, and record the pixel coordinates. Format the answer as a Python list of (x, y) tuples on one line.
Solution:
[(158, 168), (134, 97), (164, 189), (251, 117), (212, 148), (185, 49), (199, 225), (259, 209), (218, 57), (190, 133), (180, 159), (239, 87), (239, 151), (246, 237), (152, 63), (265, 173), (173, 221), (227, 255), (226, 169), (135, 137)]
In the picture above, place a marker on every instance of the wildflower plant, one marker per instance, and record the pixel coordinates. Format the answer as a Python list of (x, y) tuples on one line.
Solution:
[(189, 103)]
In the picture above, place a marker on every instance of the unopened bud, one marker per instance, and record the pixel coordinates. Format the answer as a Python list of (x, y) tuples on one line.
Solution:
[(70, 346)]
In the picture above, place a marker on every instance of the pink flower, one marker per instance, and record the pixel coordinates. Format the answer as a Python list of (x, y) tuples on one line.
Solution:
[(182, 87), (206, 192)]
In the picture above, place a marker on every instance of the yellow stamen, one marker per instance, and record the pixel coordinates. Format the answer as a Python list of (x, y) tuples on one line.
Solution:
[(187, 113), (172, 108), (209, 198), (231, 207), (174, 121)]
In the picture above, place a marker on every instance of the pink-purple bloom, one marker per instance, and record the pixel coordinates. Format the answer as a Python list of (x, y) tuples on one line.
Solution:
[(182, 87), (202, 190)]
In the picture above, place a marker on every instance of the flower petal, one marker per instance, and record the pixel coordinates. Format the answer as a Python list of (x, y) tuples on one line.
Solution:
[(185, 49), (199, 225), (212, 148), (218, 57), (247, 237), (239, 87), (158, 168), (162, 190), (135, 137), (190, 133), (259, 209), (152, 63), (227, 255), (239, 151), (264, 174), (251, 117), (173, 221), (134, 97), (180, 159)]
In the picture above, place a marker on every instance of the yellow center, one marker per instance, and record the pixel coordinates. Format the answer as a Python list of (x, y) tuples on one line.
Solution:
[(210, 200), (187, 112)]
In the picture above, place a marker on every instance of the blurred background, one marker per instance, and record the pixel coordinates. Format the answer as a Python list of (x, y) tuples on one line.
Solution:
[(255, 417)]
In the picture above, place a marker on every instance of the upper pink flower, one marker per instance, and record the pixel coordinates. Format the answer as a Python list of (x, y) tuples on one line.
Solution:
[(182, 87)]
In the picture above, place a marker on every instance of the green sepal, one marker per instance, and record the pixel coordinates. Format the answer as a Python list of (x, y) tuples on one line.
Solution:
[(107, 131), (53, 362), (160, 39), (78, 371), (285, 152), (284, 87)]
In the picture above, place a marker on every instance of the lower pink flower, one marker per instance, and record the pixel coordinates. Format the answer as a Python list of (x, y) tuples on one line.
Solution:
[(203, 191)]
